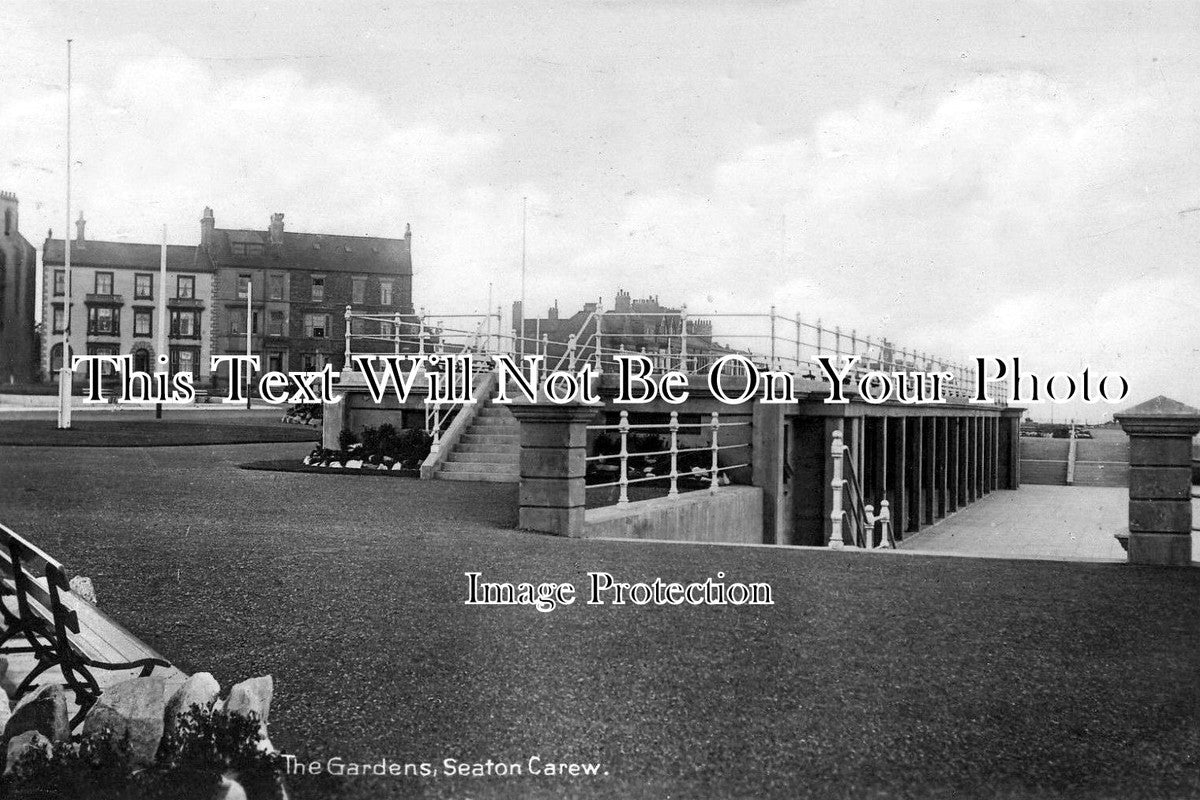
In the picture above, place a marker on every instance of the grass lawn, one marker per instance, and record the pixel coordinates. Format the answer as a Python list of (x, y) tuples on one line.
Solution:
[(149, 433), (871, 676)]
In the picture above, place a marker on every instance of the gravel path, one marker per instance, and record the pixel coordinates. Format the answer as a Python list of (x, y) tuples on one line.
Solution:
[(871, 676)]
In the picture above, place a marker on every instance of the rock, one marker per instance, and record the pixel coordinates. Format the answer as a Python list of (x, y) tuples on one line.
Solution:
[(44, 711), (200, 689), (253, 695), (229, 789), (21, 744), (82, 586), (354, 463), (397, 466), (5, 708), (136, 707)]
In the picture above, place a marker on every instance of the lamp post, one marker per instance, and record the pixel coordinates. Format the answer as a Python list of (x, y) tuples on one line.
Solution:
[(64, 374), (249, 328)]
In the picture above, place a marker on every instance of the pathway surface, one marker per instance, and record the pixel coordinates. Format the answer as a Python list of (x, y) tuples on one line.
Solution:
[(897, 677), (1044, 522)]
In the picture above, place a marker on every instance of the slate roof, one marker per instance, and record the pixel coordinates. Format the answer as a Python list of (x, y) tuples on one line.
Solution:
[(314, 252), (130, 255)]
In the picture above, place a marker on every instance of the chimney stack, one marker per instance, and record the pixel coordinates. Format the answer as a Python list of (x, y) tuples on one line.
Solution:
[(207, 223), (276, 229), (80, 224)]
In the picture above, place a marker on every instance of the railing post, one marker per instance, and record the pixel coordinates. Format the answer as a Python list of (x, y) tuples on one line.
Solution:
[(799, 338), (599, 342), (396, 333), (716, 427), (421, 333), (545, 345), (674, 428), (774, 362), (886, 537), (837, 451), (820, 330), (346, 363), (623, 481), (683, 353), (571, 352), (868, 531)]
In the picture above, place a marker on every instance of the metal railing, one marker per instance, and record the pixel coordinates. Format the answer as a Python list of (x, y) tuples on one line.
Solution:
[(671, 339), (711, 476), (861, 520)]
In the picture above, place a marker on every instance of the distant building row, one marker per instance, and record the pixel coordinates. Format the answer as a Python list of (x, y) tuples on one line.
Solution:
[(299, 285)]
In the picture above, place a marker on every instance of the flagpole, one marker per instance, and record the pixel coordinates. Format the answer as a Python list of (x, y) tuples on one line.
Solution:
[(161, 359), (524, 217), (64, 374)]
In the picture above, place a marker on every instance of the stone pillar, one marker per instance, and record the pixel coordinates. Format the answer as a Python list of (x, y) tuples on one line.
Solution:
[(1160, 480), (767, 470), (335, 418), (553, 466), (1009, 448)]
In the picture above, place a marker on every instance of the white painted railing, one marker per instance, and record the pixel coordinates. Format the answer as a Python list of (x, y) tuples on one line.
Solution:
[(860, 516), (714, 475), (672, 340)]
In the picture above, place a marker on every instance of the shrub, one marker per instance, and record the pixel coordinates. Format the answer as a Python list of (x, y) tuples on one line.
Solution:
[(346, 438), (190, 762)]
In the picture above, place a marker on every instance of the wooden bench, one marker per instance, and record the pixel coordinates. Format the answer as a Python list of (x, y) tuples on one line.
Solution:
[(202, 396), (42, 616)]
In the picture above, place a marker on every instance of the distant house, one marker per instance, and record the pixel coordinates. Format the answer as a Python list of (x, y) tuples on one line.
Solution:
[(18, 297), (114, 303), (299, 285)]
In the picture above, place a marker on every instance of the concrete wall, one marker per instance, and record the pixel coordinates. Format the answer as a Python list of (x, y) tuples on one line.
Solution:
[(731, 514)]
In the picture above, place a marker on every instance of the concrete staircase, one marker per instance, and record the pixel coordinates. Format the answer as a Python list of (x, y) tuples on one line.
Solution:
[(489, 450)]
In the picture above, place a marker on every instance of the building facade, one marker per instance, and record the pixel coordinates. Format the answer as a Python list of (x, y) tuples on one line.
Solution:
[(633, 325), (298, 286), (18, 297), (116, 287)]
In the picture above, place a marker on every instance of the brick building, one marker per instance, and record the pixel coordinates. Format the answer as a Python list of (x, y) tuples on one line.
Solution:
[(18, 297), (299, 286), (635, 325)]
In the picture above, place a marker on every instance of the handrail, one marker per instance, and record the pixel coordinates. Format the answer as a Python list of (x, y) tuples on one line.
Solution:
[(679, 341), (714, 474), (863, 514)]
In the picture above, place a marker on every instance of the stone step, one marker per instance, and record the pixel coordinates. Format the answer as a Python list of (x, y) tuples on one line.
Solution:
[(460, 456), (512, 440), (487, 477), (497, 414), (487, 448), (473, 466), (495, 430)]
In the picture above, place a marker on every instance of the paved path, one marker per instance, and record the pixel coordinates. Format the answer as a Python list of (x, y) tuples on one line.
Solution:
[(1044, 522)]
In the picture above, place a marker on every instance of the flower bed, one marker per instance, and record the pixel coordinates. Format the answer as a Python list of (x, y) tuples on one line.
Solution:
[(310, 414), (382, 448)]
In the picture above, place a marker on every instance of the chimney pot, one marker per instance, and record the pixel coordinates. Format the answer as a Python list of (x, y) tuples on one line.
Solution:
[(80, 224)]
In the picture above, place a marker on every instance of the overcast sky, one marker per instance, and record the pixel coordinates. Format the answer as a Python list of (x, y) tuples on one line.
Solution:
[(967, 178)]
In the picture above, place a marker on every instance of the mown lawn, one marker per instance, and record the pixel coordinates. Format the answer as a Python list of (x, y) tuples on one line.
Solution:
[(143, 432), (871, 676)]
